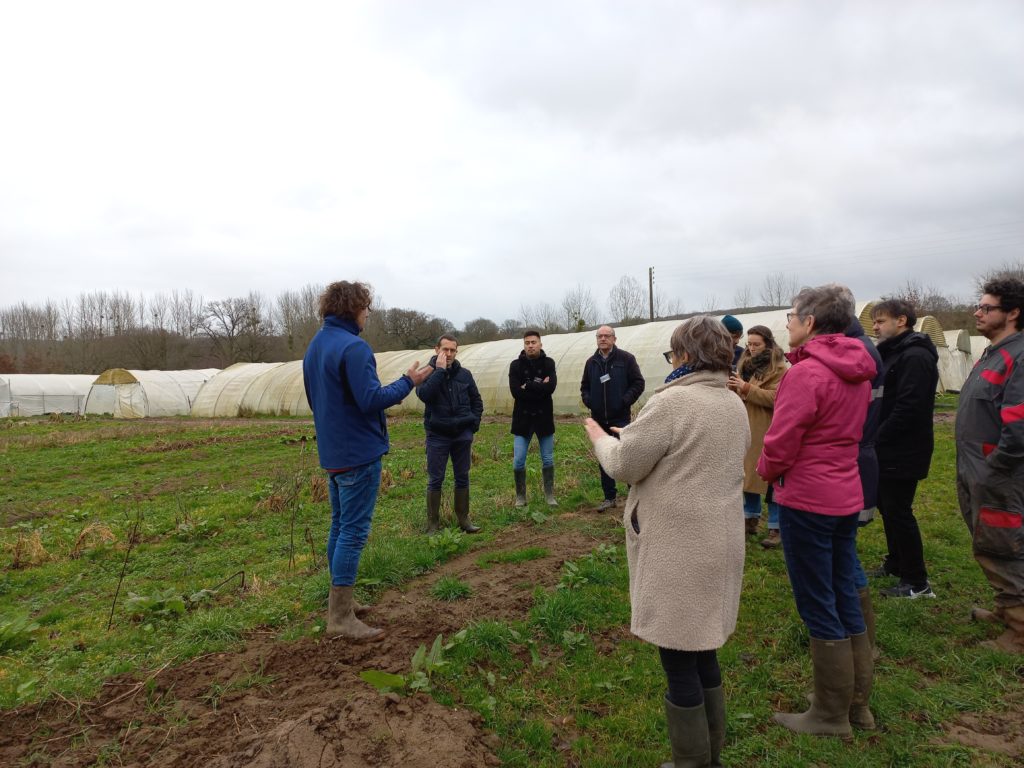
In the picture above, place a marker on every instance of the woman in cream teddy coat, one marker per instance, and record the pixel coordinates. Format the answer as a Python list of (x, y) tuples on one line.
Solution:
[(683, 457)]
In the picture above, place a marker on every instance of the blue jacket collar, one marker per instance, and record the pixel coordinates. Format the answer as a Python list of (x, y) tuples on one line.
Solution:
[(342, 322)]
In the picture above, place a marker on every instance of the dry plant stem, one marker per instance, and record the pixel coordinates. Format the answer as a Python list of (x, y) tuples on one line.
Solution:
[(137, 687), (124, 568)]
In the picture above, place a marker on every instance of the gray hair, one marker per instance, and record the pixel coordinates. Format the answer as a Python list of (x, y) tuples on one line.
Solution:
[(705, 342), (830, 305)]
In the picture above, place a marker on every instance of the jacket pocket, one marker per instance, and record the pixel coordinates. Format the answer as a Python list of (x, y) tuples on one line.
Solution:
[(999, 533)]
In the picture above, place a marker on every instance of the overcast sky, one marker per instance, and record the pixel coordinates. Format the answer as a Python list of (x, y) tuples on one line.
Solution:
[(467, 157)]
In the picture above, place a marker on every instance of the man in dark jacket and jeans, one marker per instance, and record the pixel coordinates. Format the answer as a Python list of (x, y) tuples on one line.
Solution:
[(532, 382), (905, 441), (348, 402), (611, 383), (452, 408), (990, 456)]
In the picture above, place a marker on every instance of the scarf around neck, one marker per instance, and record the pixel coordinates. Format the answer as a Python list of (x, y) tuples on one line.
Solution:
[(756, 365), (679, 372)]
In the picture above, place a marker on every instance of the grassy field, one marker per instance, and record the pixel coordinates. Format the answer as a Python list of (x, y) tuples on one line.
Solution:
[(564, 684)]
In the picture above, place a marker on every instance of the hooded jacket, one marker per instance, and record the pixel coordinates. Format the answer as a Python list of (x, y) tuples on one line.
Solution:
[(452, 405), (533, 410), (910, 373), (810, 450), (339, 374), (609, 401)]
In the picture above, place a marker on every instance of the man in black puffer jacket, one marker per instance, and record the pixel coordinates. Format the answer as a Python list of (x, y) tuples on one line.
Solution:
[(611, 383), (452, 408), (905, 439), (532, 382)]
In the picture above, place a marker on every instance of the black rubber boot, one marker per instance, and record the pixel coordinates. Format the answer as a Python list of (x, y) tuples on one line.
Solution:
[(520, 487), (433, 511), (462, 511), (549, 486)]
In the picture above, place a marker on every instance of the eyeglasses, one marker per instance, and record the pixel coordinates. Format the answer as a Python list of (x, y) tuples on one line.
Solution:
[(986, 308), (668, 357), (606, 335), (797, 315)]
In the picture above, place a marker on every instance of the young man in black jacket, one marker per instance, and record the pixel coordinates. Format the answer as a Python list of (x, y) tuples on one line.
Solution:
[(452, 408), (532, 381), (905, 440), (611, 383)]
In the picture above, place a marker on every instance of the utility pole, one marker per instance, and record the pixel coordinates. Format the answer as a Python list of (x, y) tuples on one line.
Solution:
[(650, 289)]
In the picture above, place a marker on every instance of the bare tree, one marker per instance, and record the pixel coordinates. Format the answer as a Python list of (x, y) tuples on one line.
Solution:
[(541, 316), (510, 329), (579, 308), (626, 299), (239, 328), (744, 296), (298, 316), (1006, 269), (665, 306), (778, 289), (710, 304)]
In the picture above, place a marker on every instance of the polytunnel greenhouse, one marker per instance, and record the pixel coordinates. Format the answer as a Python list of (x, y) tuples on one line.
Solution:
[(222, 394), (128, 394), (978, 346), (958, 363), (35, 394)]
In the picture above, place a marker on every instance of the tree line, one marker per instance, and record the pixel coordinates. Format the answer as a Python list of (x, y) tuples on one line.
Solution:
[(180, 329)]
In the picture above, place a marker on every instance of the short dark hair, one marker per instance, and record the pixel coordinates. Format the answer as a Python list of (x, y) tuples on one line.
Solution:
[(706, 342), (1010, 291), (894, 308), (531, 332), (345, 299), (446, 337), (830, 305)]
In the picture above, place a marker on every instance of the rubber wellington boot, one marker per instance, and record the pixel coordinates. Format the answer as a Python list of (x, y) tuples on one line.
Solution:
[(868, 612), (520, 487), (549, 486), (863, 678), (688, 735), (714, 708), (829, 714), (462, 511), (342, 621), (433, 511)]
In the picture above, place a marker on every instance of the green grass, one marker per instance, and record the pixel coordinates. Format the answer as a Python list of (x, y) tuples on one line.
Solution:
[(450, 589), (563, 684)]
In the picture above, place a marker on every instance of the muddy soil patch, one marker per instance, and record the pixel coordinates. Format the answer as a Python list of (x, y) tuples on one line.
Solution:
[(1000, 732), (302, 703)]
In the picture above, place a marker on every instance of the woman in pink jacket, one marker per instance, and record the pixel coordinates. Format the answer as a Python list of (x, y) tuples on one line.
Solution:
[(810, 458)]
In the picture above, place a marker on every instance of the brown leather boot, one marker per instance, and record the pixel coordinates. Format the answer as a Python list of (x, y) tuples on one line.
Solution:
[(773, 540), (750, 525), (829, 714), (342, 621)]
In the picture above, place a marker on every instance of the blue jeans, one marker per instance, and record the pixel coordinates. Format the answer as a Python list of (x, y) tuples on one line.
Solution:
[(520, 445), (752, 508), (821, 557), (438, 450), (353, 495)]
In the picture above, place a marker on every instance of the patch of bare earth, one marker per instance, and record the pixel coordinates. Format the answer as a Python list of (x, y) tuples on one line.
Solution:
[(299, 704), (1000, 732)]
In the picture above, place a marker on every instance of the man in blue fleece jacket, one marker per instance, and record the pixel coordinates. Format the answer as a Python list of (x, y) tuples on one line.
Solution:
[(348, 403)]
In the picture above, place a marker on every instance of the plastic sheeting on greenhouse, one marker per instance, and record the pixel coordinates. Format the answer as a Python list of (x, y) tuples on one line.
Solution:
[(277, 392), (222, 394), (978, 346), (34, 394), (953, 369), (139, 394)]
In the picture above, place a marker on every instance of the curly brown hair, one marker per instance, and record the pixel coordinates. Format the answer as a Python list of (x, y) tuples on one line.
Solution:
[(345, 299)]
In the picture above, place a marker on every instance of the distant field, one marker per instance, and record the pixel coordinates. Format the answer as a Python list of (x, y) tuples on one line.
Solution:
[(545, 661)]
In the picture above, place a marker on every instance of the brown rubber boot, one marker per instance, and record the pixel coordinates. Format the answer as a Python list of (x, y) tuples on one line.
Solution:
[(520, 475), (982, 614), (433, 511), (714, 708), (342, 621), (549, 486), (863, 677), (688, 735), (829, 714), (867, 610), (462, 511)]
